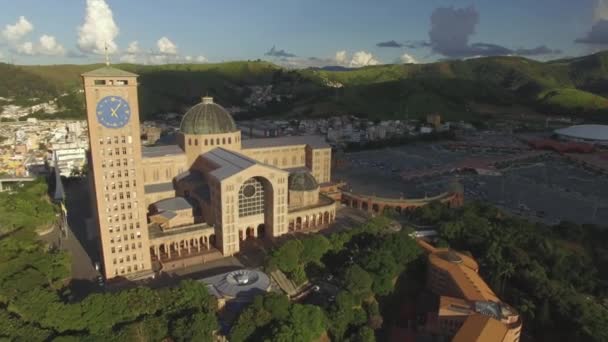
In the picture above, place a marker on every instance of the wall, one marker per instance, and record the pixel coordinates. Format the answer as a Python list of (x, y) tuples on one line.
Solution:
[(163, 169)]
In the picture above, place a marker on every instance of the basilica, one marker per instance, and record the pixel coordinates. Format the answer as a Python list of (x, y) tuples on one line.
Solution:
[(175, 205)]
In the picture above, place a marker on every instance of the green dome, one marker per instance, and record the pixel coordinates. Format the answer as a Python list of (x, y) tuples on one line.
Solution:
[(302, 181), (207, 118)]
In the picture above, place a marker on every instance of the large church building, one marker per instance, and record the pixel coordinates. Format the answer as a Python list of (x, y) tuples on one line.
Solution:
[(210, 192)]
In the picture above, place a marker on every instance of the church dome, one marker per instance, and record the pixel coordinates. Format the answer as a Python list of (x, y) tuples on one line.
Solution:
[(302, 181), (207, 117)]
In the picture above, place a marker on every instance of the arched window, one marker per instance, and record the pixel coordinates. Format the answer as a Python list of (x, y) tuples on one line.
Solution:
[(206, 142), (229, 140), (195, 142), (211, 142), (189, 141), (223, 141), (217, 141), (251, 198)]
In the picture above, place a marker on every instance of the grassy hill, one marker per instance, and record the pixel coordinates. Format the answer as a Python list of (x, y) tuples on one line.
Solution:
[(577, 86)]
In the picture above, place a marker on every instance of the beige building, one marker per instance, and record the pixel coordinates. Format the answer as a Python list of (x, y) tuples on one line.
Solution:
[(467, 309), (161, 204)]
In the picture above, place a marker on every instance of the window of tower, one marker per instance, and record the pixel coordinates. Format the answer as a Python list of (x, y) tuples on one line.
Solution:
[(217, 141), (195, 142), (122, 82), (229, 140), (223, 141), (206, 142), (100, 82)]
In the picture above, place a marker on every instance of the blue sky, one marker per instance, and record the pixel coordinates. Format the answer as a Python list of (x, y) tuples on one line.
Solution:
[(190, 30)]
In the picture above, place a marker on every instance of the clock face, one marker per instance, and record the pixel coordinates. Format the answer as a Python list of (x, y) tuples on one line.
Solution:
[(113, 112)]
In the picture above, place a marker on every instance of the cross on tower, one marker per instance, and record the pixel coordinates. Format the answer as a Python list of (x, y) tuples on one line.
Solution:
[(107, 56)]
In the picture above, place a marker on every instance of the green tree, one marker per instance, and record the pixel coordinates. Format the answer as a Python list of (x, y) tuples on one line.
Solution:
[(357, 280), (194, 327)]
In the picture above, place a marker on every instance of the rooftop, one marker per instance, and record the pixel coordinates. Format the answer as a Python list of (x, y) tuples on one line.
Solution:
[(480, 328), (172, 204), (160, 187), (160, 151), (228, 163), (302, 181), (314, 141), (109, 72), (207, 117), (155, 231), (239, 283)]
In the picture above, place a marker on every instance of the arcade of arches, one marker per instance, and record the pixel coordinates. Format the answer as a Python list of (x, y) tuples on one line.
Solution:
[(377, 205)]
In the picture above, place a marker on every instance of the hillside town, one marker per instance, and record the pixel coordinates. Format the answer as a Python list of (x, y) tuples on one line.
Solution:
[(27, 148)]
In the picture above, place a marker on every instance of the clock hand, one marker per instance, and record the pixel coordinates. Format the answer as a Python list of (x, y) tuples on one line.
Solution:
[(115, 109)]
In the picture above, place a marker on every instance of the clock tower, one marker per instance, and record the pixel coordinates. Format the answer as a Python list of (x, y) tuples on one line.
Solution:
[(116, 176)]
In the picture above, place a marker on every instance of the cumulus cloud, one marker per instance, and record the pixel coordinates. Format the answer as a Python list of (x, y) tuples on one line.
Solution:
[(166, 46), (407, 59), (598, 34), (390, 44), (274, 52), (202, 59), (98, 30), (601, 10), (341, 58), (18, 30), (363, 58), (129, 58), (47, 45), (133, 48), (452, 29), (26, 48)]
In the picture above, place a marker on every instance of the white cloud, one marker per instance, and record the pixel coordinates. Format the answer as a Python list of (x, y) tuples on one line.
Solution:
[(406, 58), (202, 59), (18, 30), (129, 58), (157, 59), (98, 29), (601, 10), (341, 57), (166, 46), (363, 58), (359, 59), (26, 48), (188, 58), (133, 48), (49, 46)]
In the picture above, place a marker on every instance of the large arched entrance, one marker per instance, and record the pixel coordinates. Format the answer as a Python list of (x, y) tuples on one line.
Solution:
[(261, 230), (249, 233)]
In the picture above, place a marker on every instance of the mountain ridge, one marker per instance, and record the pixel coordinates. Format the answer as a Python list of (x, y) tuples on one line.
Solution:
[(575, 86)]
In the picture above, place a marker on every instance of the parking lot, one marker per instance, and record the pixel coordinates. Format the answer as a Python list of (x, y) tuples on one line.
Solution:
[(549, 190), (378, 171)]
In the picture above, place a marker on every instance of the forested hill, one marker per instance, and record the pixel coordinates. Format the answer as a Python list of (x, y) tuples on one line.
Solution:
[(576, 86)]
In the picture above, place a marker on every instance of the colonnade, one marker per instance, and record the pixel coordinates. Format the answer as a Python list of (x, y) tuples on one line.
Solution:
[(311, 221), (169, 249)]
